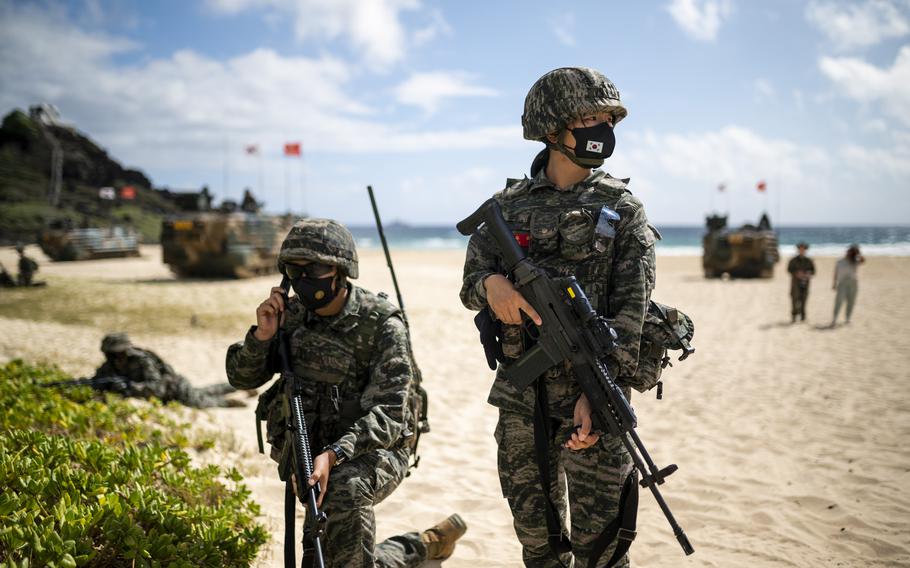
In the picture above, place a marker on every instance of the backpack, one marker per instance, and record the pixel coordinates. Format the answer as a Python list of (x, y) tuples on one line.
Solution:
[(665, 328), (273, 407)]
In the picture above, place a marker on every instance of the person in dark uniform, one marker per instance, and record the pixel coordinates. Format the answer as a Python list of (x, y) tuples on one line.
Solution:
[(801, 269)]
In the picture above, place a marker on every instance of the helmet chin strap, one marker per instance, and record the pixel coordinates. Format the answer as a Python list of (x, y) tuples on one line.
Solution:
[(586, 163)]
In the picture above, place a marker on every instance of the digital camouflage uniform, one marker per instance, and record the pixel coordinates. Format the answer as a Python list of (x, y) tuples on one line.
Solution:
[(149, 376), (617, 272), (799, 286), (356, 390), (27, 268)]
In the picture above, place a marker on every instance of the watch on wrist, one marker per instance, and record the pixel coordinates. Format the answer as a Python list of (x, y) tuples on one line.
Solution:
[(340, 456)]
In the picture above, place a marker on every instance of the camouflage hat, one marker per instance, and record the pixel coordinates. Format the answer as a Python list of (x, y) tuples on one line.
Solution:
[(320, 240), (115, 343), (564, 94)]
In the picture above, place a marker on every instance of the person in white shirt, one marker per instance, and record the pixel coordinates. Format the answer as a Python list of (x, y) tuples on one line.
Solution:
[(845, 281)]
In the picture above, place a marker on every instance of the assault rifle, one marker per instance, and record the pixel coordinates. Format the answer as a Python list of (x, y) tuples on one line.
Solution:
[(114, 383), (314, 525), (571, 331)]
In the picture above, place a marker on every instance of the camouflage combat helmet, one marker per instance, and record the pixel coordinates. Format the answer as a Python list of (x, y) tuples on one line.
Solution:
[(565, 94), (320, 240), (115, 343)]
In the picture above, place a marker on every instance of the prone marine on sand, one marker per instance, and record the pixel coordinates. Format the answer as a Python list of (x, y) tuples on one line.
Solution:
[(350, 354), (143, 374)]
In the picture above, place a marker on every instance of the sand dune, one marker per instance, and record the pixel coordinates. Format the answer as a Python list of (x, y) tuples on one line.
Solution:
[(791, 439)]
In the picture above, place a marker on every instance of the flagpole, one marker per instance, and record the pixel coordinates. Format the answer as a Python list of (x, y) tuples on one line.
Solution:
[(780, 192), (225, 173), (261, 182), (302, 187), (287, 176)]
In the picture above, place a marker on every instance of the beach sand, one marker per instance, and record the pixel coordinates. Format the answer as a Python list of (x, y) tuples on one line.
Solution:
[(791, 440)]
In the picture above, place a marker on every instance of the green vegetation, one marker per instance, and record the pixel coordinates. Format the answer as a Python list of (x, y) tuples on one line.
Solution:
[(91, 482), (25, 158)]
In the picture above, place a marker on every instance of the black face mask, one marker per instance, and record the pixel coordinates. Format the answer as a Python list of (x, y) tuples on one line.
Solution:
[(314, 293), (593, 144)]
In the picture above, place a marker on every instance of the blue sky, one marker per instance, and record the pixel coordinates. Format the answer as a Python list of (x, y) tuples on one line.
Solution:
[(423, 99)]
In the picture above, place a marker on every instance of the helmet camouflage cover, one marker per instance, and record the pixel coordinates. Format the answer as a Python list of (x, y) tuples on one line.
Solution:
[(115, 343), (564, 94), (320, 240)]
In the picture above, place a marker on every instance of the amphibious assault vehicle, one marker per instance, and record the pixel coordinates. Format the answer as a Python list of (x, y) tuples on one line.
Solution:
[(228, 242), (60, 241), (750, 251)]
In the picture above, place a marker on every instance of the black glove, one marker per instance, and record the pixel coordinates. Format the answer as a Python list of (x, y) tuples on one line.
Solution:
[(490, 337)]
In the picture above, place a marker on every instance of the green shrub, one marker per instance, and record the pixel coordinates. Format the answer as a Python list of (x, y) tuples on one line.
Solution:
[(106, 483)]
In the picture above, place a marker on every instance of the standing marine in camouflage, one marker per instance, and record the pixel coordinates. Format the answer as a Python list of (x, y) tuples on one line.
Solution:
[(801, 269), (27, 267), (571, 221), (147, 375), (351, 350)]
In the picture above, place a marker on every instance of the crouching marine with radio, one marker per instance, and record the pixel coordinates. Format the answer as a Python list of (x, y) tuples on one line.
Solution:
[(349, 399)]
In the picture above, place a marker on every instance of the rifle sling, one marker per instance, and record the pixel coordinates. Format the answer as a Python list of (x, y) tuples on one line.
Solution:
[(556, 537), (622, 527), (290, 506)]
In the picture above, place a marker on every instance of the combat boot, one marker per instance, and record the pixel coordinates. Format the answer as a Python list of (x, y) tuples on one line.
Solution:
[(440, 539)]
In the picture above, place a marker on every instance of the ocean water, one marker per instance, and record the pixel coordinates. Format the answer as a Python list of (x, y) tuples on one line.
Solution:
[(679, 241)]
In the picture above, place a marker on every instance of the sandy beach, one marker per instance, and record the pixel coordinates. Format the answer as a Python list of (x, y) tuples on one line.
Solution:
[(791, 439)]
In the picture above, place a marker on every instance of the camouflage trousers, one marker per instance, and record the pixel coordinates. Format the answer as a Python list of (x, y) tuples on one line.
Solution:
[(204, 397), (591, 479), (354, 489), (799, 294)]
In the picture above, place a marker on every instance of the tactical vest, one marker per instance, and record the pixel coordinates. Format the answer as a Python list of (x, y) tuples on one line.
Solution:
[(577, 238), (333, 365)]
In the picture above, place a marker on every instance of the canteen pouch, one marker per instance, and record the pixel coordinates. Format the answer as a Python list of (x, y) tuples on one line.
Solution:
[(665, 328)]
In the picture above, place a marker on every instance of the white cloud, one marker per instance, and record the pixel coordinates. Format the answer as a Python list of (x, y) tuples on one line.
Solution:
[(893, 161), (864, 82), (372, 27), (564, 29), (175, 114), (764, 90), (676, 175), (850, 26), (429, 90), (438, 26), (700, 19)]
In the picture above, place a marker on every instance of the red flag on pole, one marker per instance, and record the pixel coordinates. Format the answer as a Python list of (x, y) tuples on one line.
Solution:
[(252, 149), (127, 192), (762, 186), (292, 149)]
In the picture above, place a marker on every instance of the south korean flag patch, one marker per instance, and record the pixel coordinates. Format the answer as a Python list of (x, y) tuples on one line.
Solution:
[(594, 146)]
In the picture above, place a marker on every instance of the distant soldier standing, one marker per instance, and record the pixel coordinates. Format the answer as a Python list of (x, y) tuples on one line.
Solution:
[(27, 267), (351, 352), (801, 269), (571, 220), (147, 375)]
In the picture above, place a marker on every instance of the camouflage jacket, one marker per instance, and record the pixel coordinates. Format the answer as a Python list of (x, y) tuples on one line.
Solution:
[(800, 264), (568, 233), (147, 375), (323, 354)]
